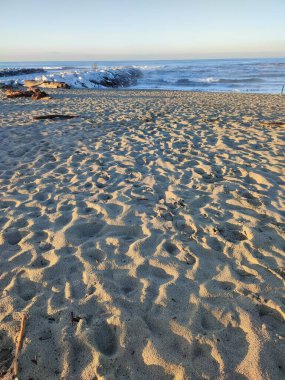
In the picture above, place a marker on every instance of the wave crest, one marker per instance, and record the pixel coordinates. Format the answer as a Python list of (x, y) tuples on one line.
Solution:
[(15, 72)]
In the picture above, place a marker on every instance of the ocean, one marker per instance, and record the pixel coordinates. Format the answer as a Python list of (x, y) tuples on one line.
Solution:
[(232, 75)]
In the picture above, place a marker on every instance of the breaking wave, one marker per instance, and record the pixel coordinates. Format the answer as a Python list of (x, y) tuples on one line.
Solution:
[(116, 77), (123, 77)]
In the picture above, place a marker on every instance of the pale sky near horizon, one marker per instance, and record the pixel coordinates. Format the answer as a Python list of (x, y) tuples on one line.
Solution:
[(146, 29)]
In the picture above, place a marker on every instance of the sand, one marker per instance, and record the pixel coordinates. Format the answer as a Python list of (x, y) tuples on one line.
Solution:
[(156, 220)]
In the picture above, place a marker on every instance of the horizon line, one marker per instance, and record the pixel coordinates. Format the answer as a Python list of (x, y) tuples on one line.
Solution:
[(145, 59)]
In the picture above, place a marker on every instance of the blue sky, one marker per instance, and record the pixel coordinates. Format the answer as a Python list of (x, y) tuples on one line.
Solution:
[(141, 29)]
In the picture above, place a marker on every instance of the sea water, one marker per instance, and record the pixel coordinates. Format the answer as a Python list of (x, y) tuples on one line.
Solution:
[(234, 75)]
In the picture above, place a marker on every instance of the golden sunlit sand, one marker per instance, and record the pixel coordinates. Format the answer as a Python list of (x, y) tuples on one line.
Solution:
[(145, 237)]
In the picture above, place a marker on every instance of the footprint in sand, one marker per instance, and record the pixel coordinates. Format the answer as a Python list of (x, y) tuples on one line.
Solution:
[(40, 262), (231, 233), (83, 231), (247, 277), (272, 319), (6, 353), (12, 236), (250, 199), (20, 223), (26, 289), (215, 287), (208, 321), (79, 356), (105, 197), (154, 273), (170, 248), (92, 254), (203, 363), (233, 346), (104, 337), (130, 286), (183, 255), (6, 204)]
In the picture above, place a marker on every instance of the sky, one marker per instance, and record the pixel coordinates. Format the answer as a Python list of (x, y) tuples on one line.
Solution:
[(140, 29)]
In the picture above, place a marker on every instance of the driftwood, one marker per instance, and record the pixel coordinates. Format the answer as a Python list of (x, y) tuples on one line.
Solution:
[(274, 123), (45, 84), (38, 94), (55, 116), (18, 94), (19, 345), (33, 93)]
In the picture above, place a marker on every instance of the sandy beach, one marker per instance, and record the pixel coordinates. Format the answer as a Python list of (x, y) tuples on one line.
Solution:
[(144, 238)]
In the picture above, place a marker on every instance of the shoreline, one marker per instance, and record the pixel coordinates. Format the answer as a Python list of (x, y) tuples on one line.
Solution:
[(130, 89)]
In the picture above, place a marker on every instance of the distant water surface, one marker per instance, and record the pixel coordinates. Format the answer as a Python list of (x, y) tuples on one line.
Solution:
[(234, 75)]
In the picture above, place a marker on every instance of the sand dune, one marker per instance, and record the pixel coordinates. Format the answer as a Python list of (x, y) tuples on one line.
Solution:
[(157, 219)]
